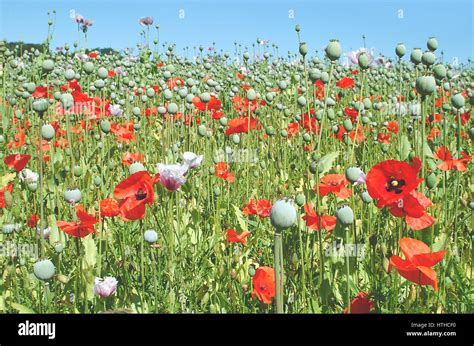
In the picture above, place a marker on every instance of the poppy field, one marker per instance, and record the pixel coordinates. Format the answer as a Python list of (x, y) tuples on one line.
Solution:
[(235, 182)]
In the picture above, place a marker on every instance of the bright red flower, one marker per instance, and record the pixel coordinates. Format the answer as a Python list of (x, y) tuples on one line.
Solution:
[(129, 158), (221, 171), (434, 132), (292, 129), (111, 73), (383, 138), (416, 267), (443, 154), (134, 193), (92, 55), (19, 140), (392, 127), (412, 208), (17, 161), (316, 222), (80, 228), (361, 304), (109, 207), (212, 105), (41, 92), (241, 105), (335, 183), (465, 117), (7, 188), (241, 125), (233, 237), (345, 82), (389, 181), (172, 82), (261, 207), (319, 89), (264, 284), (351, 113), (32, 221)]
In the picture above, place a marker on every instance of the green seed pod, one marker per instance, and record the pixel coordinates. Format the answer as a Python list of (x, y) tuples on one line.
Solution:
[(69, 74), (235, 138), (67, 101), (172, 108), (366, 197), (431, 181), (32, 187), (301, 101), (458, 101), (251, 95), (384, 147), (324, 77), (202, 130), (72, 195), (40, 106), (44, 270), (48, 65), (300, 199), (88, 67), (282, 215), (99, 83), (347, 125), (400, 50), (471, 205), (333, 50), (136, 111), (432, 44), (251, 270), (303, 48), (223, 121), (415, 56), (284, 133), (345, 215), (77, 171), (353, 174), (428, 58), (307, 137), (217, 191), (270, 130), (439, 72), (97, 181), (425, 85), (47, 132), (102, 72), (136, 167), (364, 61), (105, 126)]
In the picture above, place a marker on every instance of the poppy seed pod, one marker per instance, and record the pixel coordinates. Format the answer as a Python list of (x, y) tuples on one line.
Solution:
[(366, 198), (439, 72), (282, 215), (432, 44), (69, 74), (44, 270), (333, 50), (172, 108), (251, 95), (47, 132), (425, 85), (205, 97), (8, 228), (303, 48), (364, 60), (415, 56), (40, 106), (102, 72), (300, 199), (458, 101), (297, 28), (150, 236), (105, 126), (353, 174), (72, 196), (48, 65), (428, 58), (301, 101), (400, 50), (345, 215), (347, 125), (431, 181)]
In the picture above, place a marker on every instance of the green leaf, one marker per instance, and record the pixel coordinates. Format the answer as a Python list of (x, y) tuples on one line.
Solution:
[(22, 309), (404, 148), (90, 252), (240, 218), (326, 162), (440, 243)]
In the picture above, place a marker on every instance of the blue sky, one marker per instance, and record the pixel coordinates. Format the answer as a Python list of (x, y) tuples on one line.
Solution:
[(384, 23)]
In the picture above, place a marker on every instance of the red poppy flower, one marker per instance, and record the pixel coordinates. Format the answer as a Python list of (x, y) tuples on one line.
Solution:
[(241, 125), (351, 113), (19, 140), (264, 284), (242, 105), (391, 180), (221, 171), (260, 207), (412, 208), (464, 117), (309, 123), (32, 220), (134, 192), (111, 73), (92, 55), (80, 228), (434, 132), (316, 222), (319, 89), (361, 304), (212, 105), (17, 161), (345, 82), (292, 129), (172, 82), (392, 127), (383, 138), (129, 158), (335, 183), (109, 207), (443, 154), (41, 92), (7, 188), (416, 267), (233, 237), (239, 75)]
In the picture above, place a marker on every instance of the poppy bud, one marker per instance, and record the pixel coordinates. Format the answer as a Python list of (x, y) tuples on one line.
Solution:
[(353, 174), (202, 130), (47, 132), (303, 48), (364, 60), (345, 215), (172, 108), (72, 196), (284, 133), (297, 28), (99, 83), (333, 50), (471, 205), (425, 85), (431, 181), (48, 65), (457, 101), (44, 270), (136, 167), (105, 126), (217, 191), (223, 121), (282, 215), (150, 236), (235, 138), (300, 199), (77, 170), (251, 270), (32, 187), (400, 50), (366, 198)]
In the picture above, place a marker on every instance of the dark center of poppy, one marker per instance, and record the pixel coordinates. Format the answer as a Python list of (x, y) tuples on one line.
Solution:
[(263, 287), (140, 195), (395, 185)]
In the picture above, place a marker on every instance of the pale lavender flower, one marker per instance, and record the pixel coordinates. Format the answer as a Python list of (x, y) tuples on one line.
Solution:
[(353, 56), (146, 21), (191, 160), (361, 180), (119, 70), (115, 110), (105, 287), (28, 176), (79, 19), (172, 176)]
